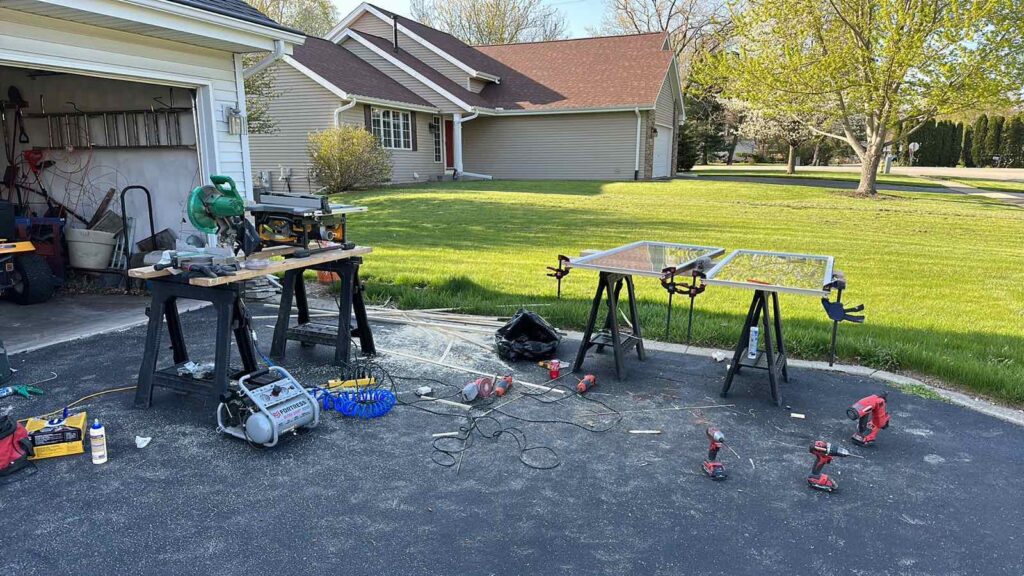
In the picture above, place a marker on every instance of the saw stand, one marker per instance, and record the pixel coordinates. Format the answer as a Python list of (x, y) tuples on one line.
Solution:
[(610, 284), (773, 357), (312, 333), (232, 317)]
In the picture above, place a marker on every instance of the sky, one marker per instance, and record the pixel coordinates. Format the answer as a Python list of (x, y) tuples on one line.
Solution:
[(580, 14)]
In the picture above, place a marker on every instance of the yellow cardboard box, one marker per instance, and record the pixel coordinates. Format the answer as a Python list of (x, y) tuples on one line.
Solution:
[(57, 436)]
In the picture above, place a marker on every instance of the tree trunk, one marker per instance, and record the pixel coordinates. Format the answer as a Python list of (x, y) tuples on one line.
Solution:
[(732, 148), (869, 170), (791, 165), (704, 154), (817, 147)]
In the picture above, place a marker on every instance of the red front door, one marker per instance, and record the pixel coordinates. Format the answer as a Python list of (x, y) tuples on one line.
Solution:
[(449, 144)]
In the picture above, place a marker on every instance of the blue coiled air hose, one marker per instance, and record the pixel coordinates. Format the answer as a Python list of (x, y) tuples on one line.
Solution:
[(364, 404)]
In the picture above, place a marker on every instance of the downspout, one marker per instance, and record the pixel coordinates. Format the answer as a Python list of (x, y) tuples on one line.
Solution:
[(269, 59), (339, 110), (461, 172), (636, 162)]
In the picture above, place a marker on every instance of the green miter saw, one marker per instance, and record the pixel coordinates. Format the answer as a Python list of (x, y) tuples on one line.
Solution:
[(220, 209)]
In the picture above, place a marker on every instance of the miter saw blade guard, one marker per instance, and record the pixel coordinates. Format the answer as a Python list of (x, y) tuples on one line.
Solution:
[(220, 209)]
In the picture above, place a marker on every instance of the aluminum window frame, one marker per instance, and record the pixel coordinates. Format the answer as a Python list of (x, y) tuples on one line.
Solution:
[(585, 262), (826, 279)]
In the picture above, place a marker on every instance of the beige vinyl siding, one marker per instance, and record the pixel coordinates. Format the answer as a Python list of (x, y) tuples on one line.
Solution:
[(402, 77), (372, 25), (417, 165), (665, 106), (475, 85), (593, 146), (300, 106)]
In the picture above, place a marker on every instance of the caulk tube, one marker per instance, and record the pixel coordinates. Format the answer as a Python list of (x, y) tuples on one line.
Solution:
[(755, 333)]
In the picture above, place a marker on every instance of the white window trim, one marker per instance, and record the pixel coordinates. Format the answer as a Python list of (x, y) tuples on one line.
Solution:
[(402, 115), (437, 139)]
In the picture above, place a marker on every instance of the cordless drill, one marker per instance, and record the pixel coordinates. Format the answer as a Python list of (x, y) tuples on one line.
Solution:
[(871, 415), (823, 453), (714, 469)]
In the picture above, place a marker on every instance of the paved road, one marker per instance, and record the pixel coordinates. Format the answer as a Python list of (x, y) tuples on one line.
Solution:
[(1014, 174), (941, 492)]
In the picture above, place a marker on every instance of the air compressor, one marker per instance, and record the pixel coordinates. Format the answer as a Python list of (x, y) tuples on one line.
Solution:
[(265, 405)]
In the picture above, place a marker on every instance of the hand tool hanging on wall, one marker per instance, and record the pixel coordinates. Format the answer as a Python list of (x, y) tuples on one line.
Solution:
[(872, 417), (692, 289), (837, 312), (560, 272), (823, 453), (711, 466), (15, 99)]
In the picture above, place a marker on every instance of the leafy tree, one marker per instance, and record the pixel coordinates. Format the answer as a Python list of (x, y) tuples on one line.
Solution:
[(687, 147), (994, 138), (492, 21), (347, 157), (966, 157), (707, 117), (313, 17), (978, 152), (1013, 143), (830, 62), (759, 126)]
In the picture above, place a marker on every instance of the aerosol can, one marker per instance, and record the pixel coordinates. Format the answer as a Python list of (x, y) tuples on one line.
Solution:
[(755, 335)]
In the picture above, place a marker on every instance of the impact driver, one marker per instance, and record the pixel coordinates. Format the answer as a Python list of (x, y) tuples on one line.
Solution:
[(714, 469)]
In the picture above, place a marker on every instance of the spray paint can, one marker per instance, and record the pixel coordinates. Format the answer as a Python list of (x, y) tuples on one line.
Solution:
[(98, 442), (755, 334)]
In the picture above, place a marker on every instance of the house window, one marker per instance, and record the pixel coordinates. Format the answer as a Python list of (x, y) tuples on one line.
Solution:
[(435, 131), (393, 128)]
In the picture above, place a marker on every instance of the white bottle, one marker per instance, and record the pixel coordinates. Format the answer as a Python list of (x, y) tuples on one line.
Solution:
[(98, 442), (755, 333)]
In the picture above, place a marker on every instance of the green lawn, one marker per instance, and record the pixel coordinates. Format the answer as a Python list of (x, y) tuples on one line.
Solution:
[(845, 176), (941, 275)]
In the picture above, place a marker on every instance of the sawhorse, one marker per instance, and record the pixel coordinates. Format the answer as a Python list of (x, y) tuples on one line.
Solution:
[(610, 284), (773, 357)]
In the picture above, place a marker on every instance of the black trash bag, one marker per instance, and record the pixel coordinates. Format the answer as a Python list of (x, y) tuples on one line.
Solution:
[(527, 336)]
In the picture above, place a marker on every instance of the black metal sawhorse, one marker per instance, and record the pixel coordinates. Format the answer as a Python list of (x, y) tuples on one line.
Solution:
[(609, 285), (773, 357), (310, 333), (231, 318)]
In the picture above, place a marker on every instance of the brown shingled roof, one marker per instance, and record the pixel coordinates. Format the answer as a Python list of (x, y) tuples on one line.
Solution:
[(613, 71), (351, 73)]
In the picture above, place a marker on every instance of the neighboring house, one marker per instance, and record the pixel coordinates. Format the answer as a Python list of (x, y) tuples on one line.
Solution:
[(596, 108), (140, 92)]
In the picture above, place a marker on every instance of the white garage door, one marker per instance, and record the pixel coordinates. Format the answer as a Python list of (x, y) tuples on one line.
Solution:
[(662, 152)]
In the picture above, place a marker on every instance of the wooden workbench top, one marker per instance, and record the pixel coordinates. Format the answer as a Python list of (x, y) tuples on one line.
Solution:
[(149, 273)]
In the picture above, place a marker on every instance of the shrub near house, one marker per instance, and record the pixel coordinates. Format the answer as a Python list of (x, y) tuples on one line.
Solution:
[(347, 157)]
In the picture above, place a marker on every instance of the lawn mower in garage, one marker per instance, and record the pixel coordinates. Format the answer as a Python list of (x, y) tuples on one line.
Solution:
[(24, 275)]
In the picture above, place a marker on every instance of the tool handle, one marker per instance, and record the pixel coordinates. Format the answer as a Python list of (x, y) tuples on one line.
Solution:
[(819, 463), (713, 452)]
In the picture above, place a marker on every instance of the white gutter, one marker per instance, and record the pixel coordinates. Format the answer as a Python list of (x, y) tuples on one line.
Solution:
[(636, 163), (339, 110), (274, 56)]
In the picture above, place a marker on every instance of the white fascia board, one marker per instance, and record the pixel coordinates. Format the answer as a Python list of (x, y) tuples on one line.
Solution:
[(403, 67), (494, 112), (673, 74), (315, 77), (174, 16), (384, 103)]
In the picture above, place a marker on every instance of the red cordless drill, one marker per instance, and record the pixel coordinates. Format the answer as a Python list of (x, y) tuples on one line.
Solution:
[(588, 382), (715, 470), (823, 453), (871, 415)]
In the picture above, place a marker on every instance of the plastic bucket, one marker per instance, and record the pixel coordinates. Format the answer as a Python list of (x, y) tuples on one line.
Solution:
[(90, 249)]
